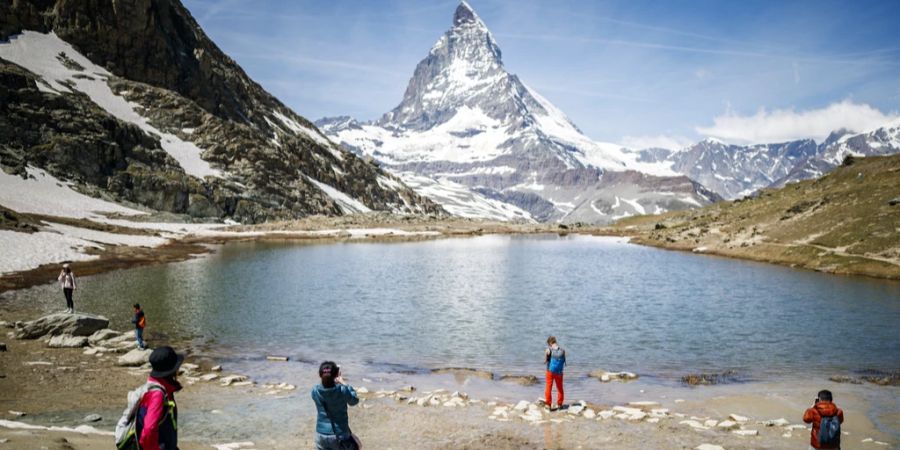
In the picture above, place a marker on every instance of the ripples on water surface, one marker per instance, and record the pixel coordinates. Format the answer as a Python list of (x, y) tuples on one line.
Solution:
[(490, 302)]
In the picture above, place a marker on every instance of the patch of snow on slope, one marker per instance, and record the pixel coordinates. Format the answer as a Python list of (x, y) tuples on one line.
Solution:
[(634, 204), (43, 194), (596, 209), (315, 135), (460, 201), (39, 53), (348, 204)]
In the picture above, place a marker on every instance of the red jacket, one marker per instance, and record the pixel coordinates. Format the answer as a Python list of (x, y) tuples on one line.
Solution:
[(152, 408), (814, 416)]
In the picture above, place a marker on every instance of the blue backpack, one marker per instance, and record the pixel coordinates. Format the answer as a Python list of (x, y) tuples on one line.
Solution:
[(556, 360), (829, 431)]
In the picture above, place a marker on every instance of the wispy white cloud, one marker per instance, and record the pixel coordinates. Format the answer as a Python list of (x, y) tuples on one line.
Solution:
[(312, 63), (787, 124), (589, 93), (751, 53), (657, 141)]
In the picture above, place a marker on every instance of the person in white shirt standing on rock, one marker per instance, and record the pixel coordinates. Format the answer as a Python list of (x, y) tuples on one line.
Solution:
[(67, 281)]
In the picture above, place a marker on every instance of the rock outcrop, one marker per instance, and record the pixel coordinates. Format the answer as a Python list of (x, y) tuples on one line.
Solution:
[(61, 324), (67, 341)]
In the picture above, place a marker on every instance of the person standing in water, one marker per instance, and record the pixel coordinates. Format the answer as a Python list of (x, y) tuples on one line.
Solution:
[(555, 360), (332, 422), (139, 321), (67, 280)]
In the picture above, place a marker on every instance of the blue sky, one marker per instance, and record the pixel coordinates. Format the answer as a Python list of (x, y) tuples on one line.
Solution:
[(635, 72)]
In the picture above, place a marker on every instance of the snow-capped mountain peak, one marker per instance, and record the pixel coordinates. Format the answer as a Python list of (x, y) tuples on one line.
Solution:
[(465, 119), (466, 15)]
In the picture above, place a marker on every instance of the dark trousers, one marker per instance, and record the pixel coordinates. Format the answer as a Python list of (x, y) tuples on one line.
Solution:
[(68, 292)]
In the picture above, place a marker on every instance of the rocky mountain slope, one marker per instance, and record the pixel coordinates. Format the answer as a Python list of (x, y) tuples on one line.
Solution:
[(466, 121), (131, 101), (847, 221)]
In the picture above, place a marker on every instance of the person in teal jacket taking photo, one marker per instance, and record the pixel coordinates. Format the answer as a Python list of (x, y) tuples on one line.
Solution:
[(332, 396)]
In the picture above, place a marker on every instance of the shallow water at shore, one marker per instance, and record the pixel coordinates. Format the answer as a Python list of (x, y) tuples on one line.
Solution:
[(489, 303)]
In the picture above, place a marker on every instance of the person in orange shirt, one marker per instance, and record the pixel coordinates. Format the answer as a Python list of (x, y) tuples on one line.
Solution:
[(826, 419), (139, 321)]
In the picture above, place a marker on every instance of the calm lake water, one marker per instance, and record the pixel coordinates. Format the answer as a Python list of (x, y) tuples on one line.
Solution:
[(490, 303)]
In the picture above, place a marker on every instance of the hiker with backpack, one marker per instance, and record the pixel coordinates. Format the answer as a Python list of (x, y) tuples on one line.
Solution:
[(150, 422), (139, 321), (826, 419), (555, 360), (331, 397), (67, 280)]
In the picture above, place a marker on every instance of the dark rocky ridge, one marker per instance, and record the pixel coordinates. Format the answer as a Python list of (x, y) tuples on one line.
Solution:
[(165, 63)]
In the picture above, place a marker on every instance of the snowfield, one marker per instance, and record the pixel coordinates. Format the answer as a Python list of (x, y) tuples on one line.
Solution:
[(23, 251), (44, 194)]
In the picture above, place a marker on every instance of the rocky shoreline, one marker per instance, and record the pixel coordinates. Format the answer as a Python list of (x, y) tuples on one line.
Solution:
[(57, 347)]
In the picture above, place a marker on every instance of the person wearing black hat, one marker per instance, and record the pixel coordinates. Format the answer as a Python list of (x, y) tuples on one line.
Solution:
[(157, 415)]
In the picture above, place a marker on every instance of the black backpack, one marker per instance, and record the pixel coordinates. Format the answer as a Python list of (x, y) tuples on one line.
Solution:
[(829, 431)]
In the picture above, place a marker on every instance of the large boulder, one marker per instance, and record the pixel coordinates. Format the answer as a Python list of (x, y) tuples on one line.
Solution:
[(67, 341), (61, 323), (136, 357)]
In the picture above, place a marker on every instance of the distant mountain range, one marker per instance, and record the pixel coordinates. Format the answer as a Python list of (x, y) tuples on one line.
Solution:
[(131, 101), (735, 171), (476, 139)]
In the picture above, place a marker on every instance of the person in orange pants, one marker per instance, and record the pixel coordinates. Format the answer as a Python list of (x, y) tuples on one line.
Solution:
[(555, 359)]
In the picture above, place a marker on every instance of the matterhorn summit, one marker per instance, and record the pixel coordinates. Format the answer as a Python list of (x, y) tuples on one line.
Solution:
[(473, 137)]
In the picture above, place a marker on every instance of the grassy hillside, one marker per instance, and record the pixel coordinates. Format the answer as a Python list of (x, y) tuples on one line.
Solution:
[(846, 222)]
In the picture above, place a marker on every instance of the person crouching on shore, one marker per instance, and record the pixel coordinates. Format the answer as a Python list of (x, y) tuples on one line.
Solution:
[(555, 360), (331, 398)]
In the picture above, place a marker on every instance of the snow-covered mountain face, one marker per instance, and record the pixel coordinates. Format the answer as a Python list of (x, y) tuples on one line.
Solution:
[(133, 102), (465, 120), (734, 171)]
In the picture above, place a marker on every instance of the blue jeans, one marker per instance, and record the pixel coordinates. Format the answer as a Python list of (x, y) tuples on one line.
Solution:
[(139, 334)]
